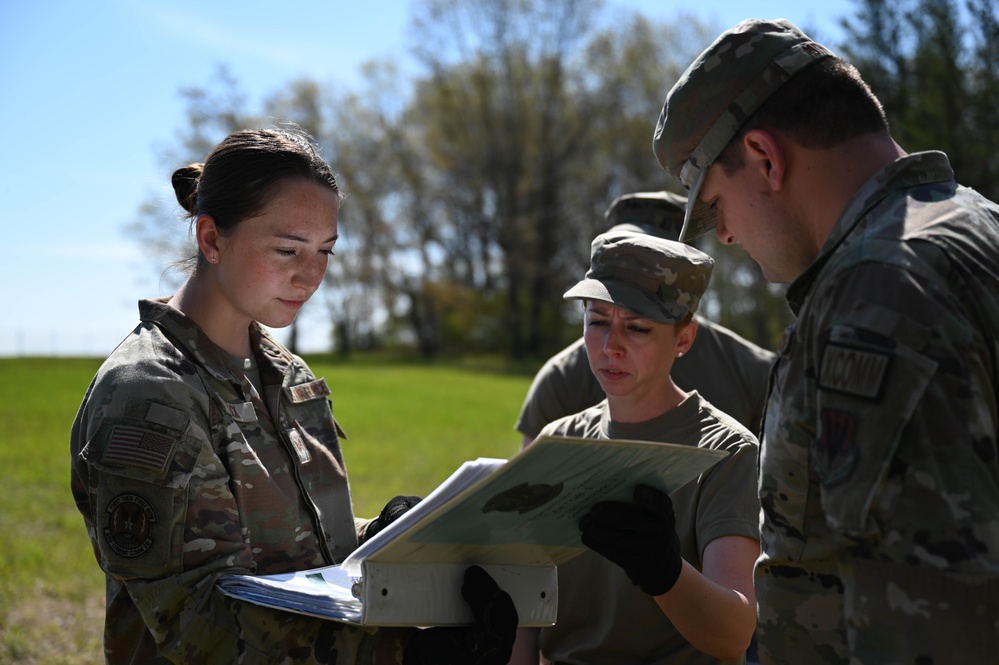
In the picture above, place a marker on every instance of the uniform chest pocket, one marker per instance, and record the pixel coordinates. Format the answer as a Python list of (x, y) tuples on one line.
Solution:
[(308, 421)]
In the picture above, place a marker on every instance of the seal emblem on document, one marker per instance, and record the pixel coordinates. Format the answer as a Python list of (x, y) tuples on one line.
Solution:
[(522, 498)]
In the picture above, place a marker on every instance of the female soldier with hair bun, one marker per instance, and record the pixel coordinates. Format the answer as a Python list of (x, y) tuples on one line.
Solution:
[(204, 447)]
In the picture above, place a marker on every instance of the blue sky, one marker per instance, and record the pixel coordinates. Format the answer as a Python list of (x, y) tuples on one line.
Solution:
[(90, 96)]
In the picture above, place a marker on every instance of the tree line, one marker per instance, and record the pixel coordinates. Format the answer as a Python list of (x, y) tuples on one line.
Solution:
[(475, 186)]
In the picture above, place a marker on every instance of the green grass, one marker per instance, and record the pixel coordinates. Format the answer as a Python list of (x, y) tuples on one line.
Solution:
[(51, 610), (409, 427)]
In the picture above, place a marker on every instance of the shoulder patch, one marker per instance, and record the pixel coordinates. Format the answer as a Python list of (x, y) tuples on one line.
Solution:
[(167, 416), (837, 446), (130, 520), (854, 371), (138, 447)]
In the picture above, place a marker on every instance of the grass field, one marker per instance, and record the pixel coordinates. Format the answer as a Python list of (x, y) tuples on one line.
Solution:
[(408, 425)]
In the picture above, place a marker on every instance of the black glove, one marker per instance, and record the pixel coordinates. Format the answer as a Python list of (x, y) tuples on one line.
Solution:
[(640, 537), (392, 511), (488, 642)]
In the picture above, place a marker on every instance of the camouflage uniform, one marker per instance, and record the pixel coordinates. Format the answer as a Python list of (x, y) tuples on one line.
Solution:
[(879, 476), (183, 472), (727, 370)]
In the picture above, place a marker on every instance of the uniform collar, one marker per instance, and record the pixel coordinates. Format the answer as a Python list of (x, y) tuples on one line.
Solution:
[(272, 357), (904, 173)]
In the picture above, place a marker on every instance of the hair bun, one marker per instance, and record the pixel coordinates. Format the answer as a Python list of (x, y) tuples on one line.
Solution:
[(185, 186)]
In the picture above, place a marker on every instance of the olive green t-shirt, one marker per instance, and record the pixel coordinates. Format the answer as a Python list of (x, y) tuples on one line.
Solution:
[(602, 618)]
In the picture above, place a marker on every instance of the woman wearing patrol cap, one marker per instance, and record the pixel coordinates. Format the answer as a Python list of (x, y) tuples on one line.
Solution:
[(669, 579), (728, 370)]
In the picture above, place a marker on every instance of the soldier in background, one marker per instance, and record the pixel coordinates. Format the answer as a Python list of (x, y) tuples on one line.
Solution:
[(726, 369), (879, 475)]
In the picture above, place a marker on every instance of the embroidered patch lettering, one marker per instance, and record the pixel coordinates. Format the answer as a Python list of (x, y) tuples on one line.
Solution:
[(130, 520), (853, 371), (306, 391), (837, 445), (134, 446)]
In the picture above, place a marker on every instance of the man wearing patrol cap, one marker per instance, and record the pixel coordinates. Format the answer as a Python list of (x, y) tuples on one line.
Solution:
[(879, 477), (668, 579), (726, 369)]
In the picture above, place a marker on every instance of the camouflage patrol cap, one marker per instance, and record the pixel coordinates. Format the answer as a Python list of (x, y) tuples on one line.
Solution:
[(658, 279), (659, 213), (711, 101)]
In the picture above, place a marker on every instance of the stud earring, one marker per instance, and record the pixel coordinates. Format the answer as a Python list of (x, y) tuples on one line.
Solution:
[(680, 354)]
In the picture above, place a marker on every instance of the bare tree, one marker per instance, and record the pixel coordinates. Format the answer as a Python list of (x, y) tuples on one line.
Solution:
[(212, 113)]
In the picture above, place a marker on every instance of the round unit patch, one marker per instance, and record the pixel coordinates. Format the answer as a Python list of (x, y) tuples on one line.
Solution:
[(130, 520)]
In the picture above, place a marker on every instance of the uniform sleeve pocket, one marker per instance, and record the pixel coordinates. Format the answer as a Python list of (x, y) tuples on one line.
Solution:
[(138, 488), (867, 395), (302, 412)]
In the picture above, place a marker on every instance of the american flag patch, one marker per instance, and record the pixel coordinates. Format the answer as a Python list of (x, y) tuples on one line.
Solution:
[(134, 446)]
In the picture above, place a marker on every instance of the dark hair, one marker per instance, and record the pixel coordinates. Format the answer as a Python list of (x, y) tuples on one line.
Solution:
[(826, 104), (240, 174)]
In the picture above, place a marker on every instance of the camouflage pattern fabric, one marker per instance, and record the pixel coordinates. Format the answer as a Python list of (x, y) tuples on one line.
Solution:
[(184, 472), (715, 96), (879, 474), (658, 279)]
